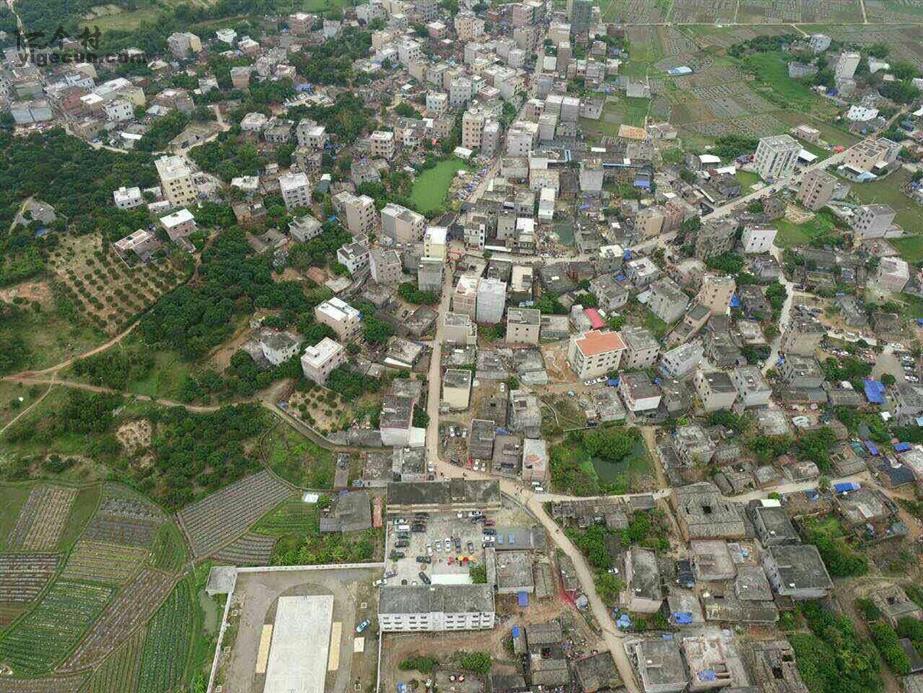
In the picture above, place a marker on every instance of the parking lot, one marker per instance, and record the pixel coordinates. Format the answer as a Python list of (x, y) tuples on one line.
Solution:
[(452, 544)]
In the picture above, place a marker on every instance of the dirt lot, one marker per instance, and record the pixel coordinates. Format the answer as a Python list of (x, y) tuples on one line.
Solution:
[(134, 435), (255, 598)]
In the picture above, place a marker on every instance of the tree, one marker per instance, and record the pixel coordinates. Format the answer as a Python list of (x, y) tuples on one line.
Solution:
[(477, 662), (478, 574)]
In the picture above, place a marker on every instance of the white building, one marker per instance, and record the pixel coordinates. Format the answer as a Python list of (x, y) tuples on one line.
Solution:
[(176, 180), (354, 256), (127, 198), (757, 239), (776, 157), (434, 242), (320, 360), (341, 317), (873, 221), (296, 190), (359, 212), (304, 228), (409, 608), (279, 347), (381, 144), (402, 225), (491, 301), (595, 353)]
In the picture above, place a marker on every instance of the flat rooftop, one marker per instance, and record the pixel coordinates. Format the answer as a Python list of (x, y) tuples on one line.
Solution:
[(300, 645)]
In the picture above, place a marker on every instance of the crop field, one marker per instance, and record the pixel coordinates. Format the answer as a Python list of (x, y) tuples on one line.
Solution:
[(119, 672), (703, 11), (903, 41), (250, 549), (292, 517), (96, 561), (787, 11), (169, 550), (166, 646), (130, 609), (46, 635), (639, 11), (107, 293), (894, 10), (125, 520), (41, 520), (49, 684), (24, 576), (225, 515)]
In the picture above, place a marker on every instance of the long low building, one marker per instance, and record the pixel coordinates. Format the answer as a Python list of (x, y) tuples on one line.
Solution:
[(454, 495), (404, 609)]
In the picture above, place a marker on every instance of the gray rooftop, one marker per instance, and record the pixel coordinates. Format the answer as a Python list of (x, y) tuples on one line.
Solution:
[(422, 599)]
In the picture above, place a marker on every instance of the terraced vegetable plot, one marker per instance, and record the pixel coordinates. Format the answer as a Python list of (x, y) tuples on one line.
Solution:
[(130, 609), (108, 563), (119, 672), (46, 635), (42, 519), (169, 550), (24, 576), (250, 549), (292, 517), (166, 647), (50, 684), (223, 516)]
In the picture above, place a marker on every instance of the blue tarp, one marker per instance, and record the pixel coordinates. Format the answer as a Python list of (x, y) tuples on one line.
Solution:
[(871, 447), (523, 598), (623, 622), (735, 301), (682, 618), (874, 391), (516, 631), (811, 494), (919, 321), (627, 254), (846, 487), (902, 447), (707, 675), (612, 382)]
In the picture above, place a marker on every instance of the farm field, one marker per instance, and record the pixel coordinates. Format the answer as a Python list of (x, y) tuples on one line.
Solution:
[(109, 564), (167, 642), (297, 459), (430, 188), (250, 549), (223, 516), (42, 519), (120, 670), (103, 290)]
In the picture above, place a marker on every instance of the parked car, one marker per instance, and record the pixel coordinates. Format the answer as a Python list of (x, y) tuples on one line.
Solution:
[(424, 559), (425, 578), (361, 628), (401, 544), (396, 555)]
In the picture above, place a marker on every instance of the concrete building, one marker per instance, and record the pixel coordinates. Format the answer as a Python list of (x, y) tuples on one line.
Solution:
[(707, 659), (643, 589), (716, 292), (279, 347), (491, 301), (402, 225), (435, 608), (667, 301), (758, 239), (905, 401), (772, 524), (386, 267), (320, 360), (752, 388), (296, 190), (535, 460), (310, 134), (659, 664), (797, 571), (456, 388), (776, 157), (715, 237), (703, 513), (465, 296), (341, 317), (176, 180), (638, 393), (179, 224), (473, 127), (304, 228), (359, 212), (801, 372), (525, 414), (692, 445), (381, 145), (595, 353), (715, 389), (802, 336), (893, 274), (523, 325), (429, 275), (816, 189), (396, 420), (845, 65), (459, 328), (354, 256), (641, 348), (873, 221), (434, 242), (127, 198), (682, 360)]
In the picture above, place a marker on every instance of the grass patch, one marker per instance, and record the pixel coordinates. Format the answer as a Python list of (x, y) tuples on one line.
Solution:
[(165, 379), (801, 234), (910, 248), (10, 405), (431, 187), (747, 179), (771, 72), (297, 459), (12, 497), (169, 549)]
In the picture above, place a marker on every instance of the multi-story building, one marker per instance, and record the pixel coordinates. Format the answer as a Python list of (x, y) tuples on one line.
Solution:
[(639, 393), (757, 238), (641, 348), (893, 274), (667, 301), (402, 225), (595, 353), (296, 190), (715, 389), (354, 256), (465, 296), (716, 292), (434, 242), (817, 188), (176, 180), (381, 144), (473, 127), (310, 134), (319, 361), (304, 228), (459, 328), (682, 360), (435, 608), (845, 65), (715, 237), (127, 198), (905, 401), (430, 275), (873, 221), (802, 335), (870, 154), (359, 211), (341, 317), (523, 325), (491, 301), (386, 266), (776, 156), (752, 388)]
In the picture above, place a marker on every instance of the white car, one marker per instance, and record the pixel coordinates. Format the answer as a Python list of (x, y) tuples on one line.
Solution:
[(438, 546), (448, 544)]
